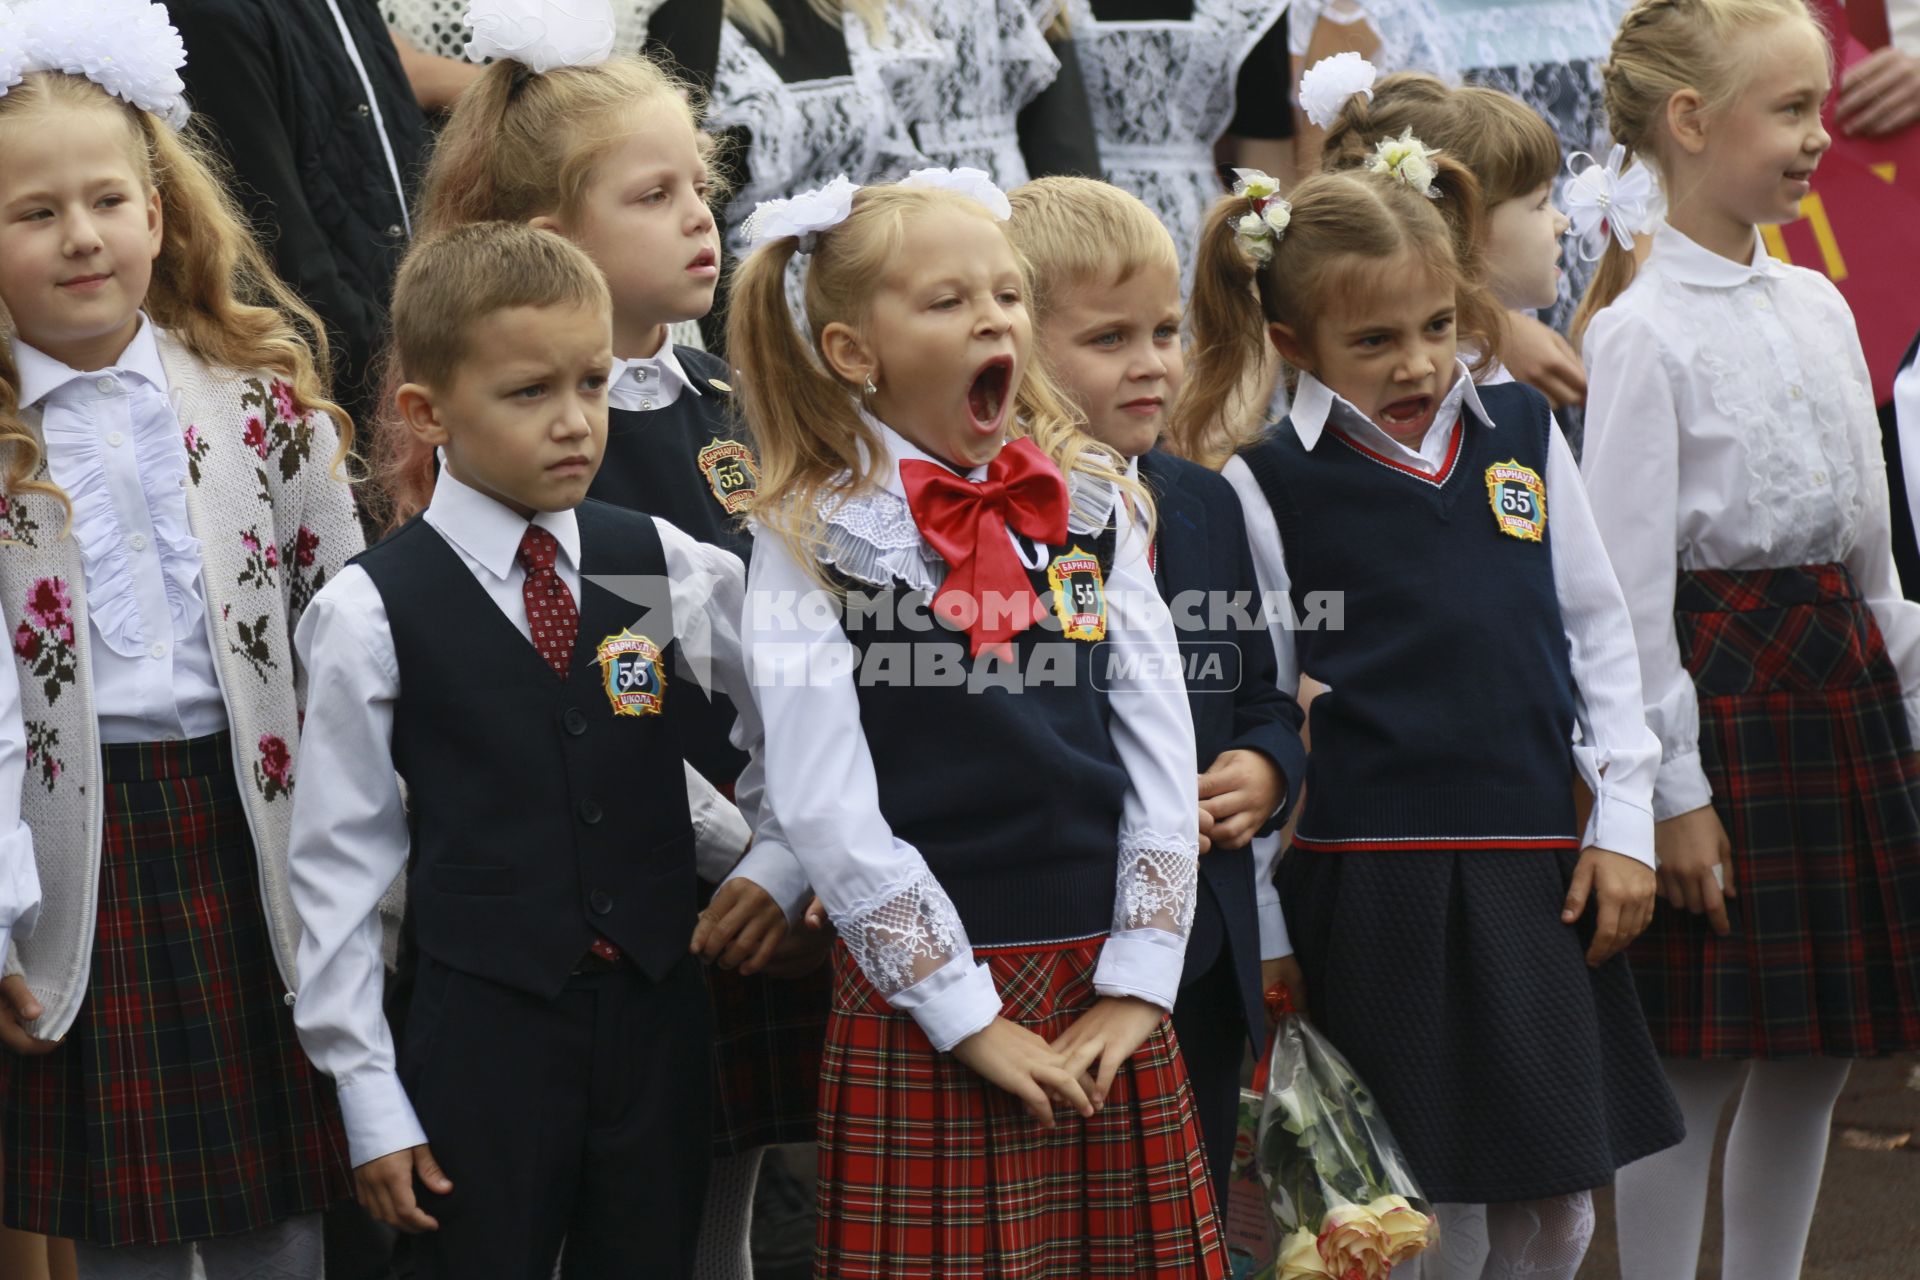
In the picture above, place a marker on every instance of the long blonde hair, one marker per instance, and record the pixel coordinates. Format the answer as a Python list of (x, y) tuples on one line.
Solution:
[(1340, 221), (1664, 47), (757, 18), (212, 288), (814, 446)]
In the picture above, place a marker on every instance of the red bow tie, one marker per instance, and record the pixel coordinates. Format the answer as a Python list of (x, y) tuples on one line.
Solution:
[(986, 591)]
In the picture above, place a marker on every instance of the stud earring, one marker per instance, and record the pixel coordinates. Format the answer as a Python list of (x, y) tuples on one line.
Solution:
[(870, 389)]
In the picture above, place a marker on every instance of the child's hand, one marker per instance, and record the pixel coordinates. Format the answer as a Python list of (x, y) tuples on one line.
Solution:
[(1206, 830), (803, 949), (384, 1188), (740, 928), (1622, 888), (1241, 791), (17, 1008), (1691, 848), (1286, 971), (1105, 1036), (1538, 356), (1026, 1066)]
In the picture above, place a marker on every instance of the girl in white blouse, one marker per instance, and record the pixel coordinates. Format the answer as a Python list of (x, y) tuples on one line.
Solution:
[(172, 504), (1001, 824), (1734, 462)]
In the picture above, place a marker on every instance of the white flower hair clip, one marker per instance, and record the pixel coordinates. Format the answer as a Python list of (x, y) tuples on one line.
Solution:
[(541, 35), (1265, 223), (1330, 83), (128, 47), (1408, 159), (1609, 199), (976, 184), (803, 216)]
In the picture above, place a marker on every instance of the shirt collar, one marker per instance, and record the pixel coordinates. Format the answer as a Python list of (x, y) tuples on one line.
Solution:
[(41, 375), (1681, 258), (1314, 403), (658, 378), (488, 531)]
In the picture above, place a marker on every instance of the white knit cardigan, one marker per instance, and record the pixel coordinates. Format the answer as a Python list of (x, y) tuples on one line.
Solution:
[(274, 526)]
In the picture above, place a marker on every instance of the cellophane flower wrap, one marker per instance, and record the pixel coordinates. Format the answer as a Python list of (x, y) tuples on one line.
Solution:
[(1344, 1203)]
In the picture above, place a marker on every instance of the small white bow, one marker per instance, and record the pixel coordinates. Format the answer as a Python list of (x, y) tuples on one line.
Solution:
[(803, 216), (541, 35), (1602, 200)]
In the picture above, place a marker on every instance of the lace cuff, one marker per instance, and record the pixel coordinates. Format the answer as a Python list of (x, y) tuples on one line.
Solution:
[(1157, 883), (905, 932)]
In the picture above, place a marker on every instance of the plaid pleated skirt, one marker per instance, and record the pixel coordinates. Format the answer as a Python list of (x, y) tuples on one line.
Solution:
[(1506, 1068), (768, 1037), (180, 1106), (927, 1170), (1805, 742)]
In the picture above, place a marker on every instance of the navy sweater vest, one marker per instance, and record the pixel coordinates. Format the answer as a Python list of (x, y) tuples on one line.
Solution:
[(693, 465), (1449, 719), (1002, 773), (541, 819)]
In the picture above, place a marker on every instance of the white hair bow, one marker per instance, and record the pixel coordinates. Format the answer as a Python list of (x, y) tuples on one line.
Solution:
[(973, 183), (541, 34), (128, 47), (1330, 83), (803, 216), (1602, 200)]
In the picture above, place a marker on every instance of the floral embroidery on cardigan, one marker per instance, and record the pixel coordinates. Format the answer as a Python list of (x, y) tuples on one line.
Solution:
[(44, 639), (304, 576), (198, 446), (279, 427), (262, 559), (273, 771), (253, 645), (19, 521), (42, 738)]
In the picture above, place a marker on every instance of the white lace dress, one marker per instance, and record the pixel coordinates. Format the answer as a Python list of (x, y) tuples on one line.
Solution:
[(960, 75), (891, 911), (439, 26), (1731, 425), (1162, 93), (804, 133)]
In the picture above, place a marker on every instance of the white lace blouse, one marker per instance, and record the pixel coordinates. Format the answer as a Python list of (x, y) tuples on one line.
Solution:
[(1162, 93), (891, 911), (960, 75), (1731, 425)]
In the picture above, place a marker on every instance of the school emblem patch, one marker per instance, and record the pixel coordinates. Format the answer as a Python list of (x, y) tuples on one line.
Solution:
[(731, 473), (630, 669), (1518, 498), (1079, 595)]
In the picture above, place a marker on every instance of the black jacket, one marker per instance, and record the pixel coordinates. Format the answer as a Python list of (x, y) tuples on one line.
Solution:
[(275, 81)]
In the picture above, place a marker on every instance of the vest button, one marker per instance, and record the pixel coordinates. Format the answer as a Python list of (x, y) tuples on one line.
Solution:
[(590, 811), (575, 721), (601, 901)]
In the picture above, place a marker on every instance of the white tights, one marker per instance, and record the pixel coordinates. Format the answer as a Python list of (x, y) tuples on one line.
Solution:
[(1534, 1239), (287, 1250), (1775, 1155)]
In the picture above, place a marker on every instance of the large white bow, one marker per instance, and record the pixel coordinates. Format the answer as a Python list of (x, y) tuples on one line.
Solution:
[(1602, 200), (1331, 83), (541, 34), (802, 216), (976, 184), (127, 47)]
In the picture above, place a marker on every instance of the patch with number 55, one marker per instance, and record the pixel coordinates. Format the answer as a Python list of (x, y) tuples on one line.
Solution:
[(1079, 595), (731, 473), (630, 669), (1519, 500)]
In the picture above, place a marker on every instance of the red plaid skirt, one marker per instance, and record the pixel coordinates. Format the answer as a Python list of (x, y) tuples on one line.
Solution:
[(1804, 739), (180, 1106), (927, 1170), (767, 1038)]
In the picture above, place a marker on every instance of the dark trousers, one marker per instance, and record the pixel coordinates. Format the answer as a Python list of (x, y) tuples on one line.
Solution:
[(1211, 1025), (585, 1120)]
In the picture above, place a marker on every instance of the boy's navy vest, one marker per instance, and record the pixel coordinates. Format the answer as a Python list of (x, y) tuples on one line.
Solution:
[(1011, 794), (541, 819), (1448, 722), (693, 465)]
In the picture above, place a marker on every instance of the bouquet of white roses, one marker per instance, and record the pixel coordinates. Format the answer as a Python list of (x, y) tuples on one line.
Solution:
[(1339, 1190)]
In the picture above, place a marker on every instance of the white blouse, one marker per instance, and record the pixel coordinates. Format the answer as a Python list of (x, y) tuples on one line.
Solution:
[(116, 447), (891, 912), (1731, 425), (1613, 751)]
